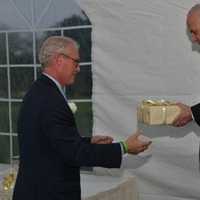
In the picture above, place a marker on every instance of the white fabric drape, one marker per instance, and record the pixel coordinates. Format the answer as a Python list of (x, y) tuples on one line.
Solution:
[(98, 187), (141, 49)]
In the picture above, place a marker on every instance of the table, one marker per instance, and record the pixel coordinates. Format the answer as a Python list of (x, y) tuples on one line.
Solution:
[(109, 186)]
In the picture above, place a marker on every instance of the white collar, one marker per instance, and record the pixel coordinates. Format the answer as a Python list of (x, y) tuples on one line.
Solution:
[(57, 84)]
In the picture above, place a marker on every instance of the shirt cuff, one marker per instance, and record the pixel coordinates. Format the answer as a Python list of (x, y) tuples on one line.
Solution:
[(122, 149)]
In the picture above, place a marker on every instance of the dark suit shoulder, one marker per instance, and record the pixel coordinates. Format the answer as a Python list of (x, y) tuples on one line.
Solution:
[(44, 89)]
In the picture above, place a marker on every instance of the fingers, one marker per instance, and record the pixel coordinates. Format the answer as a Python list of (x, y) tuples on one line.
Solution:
[(103, 137), (179, 104), (137, 133), (98, 139), (141, 148), (106, 138), (175, 122), (146, 145), (137, 143), (184, 117), (180, 123), (182, 120), (144, 139)]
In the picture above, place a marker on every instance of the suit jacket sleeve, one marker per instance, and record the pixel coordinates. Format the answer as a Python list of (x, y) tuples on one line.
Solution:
[(87, 139), (59, 126), (196, 113)]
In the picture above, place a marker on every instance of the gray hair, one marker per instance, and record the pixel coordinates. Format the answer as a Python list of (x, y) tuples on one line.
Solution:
[(54, 45), (195, 8)]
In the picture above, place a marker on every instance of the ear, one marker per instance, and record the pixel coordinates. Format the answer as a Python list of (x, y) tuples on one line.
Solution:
[(58, 59)]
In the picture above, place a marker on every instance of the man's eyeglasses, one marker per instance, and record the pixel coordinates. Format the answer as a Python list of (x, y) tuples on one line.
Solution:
[(77, 61)]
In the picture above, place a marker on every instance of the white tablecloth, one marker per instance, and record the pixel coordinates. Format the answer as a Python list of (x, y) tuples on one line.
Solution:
[(101, 187)]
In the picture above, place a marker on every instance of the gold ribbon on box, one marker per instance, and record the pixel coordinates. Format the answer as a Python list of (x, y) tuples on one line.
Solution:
[(161, 102), (144, 112)]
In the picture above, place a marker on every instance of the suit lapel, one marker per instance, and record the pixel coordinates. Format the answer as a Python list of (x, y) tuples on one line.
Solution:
[(44, 79)]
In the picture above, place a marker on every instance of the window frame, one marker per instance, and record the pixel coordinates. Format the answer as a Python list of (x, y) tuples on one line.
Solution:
[(35, 67)]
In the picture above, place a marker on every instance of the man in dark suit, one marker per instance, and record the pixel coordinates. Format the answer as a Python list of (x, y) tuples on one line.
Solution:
[(51, 149), (188, 113)]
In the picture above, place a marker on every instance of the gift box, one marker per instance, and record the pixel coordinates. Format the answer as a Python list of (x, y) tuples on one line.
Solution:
[(157, 112)]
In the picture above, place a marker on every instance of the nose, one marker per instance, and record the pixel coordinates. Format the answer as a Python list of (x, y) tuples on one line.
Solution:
[(78, 68), (193, 38)]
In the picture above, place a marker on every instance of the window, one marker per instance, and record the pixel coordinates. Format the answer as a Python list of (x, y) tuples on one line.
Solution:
[(20, 38)]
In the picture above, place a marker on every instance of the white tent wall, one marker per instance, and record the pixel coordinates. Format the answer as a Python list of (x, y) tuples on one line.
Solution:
[(141, 49)]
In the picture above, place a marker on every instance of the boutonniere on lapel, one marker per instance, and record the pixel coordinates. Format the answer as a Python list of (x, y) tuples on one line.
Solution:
[(73, 107)]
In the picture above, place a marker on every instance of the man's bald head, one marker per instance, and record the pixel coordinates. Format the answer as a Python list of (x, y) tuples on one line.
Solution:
[(193, 23), (194, 10)]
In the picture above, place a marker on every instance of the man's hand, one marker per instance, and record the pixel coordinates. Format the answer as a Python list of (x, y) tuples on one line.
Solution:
[(185, 115), (136, 144), (99, 139)]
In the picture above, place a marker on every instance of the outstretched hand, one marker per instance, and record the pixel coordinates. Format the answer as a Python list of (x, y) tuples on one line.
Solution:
[(136, 144)]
